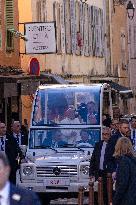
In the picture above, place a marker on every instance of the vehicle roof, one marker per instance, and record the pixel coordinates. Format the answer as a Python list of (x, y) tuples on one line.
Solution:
[(42, 87)]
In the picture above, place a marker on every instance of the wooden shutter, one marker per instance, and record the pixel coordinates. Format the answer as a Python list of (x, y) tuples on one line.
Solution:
[(38, 6), (68, 26), (86, 31), (9, 24), (102, 33), (97, 31), (62, 26), (93, 30), (78, 41), (73, 26), (43, 11), (56, 14), (90, 29), (82, 27)]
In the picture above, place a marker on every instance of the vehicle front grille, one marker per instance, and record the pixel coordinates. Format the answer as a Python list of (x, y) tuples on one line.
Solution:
[(65, 171)]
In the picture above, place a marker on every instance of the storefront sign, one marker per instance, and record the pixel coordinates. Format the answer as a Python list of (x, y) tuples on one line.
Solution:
[(41, 38)]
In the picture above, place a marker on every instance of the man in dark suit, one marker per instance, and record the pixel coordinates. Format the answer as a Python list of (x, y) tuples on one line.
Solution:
[(122, 132), (9, 145), (98, 162), (21, 138), (9, 194)]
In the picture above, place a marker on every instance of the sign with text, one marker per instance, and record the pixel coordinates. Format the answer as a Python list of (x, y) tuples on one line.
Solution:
[(41, 38)]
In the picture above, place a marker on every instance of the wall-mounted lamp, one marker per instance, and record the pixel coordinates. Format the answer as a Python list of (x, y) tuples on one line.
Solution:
[(83, 1), (130, 10), (17, 34)]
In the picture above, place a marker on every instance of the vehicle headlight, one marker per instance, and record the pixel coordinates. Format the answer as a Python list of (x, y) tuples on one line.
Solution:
[(84, 169), (28, 170)]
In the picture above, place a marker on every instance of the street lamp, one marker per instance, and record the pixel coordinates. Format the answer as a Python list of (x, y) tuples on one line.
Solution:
[(83, 1), (130, 10)]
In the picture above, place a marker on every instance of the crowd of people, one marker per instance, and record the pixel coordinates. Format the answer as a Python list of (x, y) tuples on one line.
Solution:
[(11, 154), (115, 154), (10, 143)]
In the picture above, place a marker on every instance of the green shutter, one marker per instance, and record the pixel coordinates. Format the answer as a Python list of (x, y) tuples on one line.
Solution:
[(9, 13)]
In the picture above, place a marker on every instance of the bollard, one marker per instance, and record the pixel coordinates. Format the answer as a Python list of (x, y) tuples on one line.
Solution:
[(100, 191), (91, 193), (80, 195), (109, 188)]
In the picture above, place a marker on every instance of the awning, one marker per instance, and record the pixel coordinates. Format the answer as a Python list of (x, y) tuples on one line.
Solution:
[(124, 91)]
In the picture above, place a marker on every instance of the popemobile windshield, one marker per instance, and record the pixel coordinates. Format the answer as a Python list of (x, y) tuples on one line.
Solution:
[(66, 123)]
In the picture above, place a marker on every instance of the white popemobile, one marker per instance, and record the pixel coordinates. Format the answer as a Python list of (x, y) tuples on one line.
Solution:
[(66, 123)]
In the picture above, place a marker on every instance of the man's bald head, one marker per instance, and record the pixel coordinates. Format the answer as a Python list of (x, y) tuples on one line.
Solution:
[(16, 127)]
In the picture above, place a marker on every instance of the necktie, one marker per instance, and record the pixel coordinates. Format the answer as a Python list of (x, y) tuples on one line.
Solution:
[(2, 144)]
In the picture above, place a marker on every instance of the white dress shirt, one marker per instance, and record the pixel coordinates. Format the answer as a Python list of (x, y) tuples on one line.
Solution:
[(4, 193), (2, 144), (102, 155), (133, 137), (19, 136)]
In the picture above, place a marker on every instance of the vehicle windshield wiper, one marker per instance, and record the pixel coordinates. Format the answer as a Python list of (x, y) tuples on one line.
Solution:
[(46, 147), (71, 146)]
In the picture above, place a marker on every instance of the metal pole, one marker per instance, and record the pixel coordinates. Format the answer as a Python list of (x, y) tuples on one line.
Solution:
[(80, 195), (100, 191), (91, 193), (109, 188)]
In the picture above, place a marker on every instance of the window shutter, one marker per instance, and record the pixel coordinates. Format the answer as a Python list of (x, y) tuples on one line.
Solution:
[(68, 23), (62, 24), (78, 35), (9, 24), (56, 14), (82, 27), (93, 30), (73, 25), (102, 33), (86, 37), (38, 6), (43, 11), (90, 30)]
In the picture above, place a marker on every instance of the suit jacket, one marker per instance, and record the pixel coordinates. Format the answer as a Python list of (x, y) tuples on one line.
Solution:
[(125, 192), (24, 138), (19, 196), (111, 162), (95, 160), (13, 151)]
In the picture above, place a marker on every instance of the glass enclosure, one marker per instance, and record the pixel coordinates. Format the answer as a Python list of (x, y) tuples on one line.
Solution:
[(67, 106), (60, 138)]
